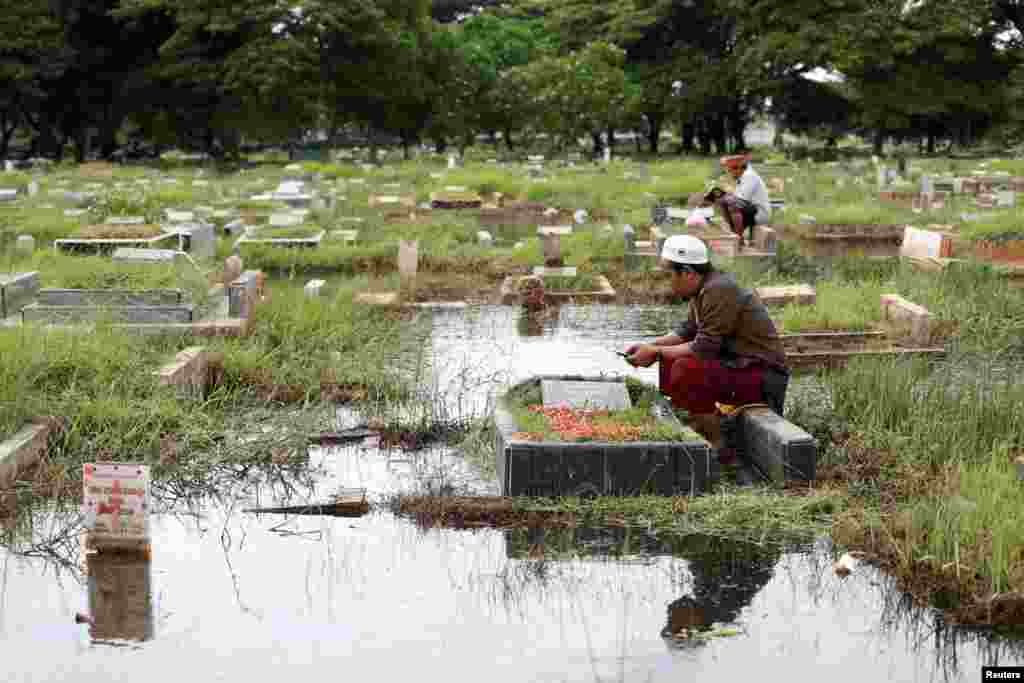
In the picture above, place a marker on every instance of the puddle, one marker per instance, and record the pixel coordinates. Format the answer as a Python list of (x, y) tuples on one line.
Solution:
[(229, 595)]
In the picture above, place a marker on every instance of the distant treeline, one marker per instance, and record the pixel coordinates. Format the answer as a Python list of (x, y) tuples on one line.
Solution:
[(107, 77)]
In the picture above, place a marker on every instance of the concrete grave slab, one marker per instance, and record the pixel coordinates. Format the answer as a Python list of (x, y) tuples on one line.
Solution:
[(17, 290), (802, 294), (187, 373), (593, 395), (126, 220), (64, 315), (20, 451), (780, 449), (111, 297)]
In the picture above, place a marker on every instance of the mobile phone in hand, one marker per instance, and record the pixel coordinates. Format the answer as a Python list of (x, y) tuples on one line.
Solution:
[(624, 355)]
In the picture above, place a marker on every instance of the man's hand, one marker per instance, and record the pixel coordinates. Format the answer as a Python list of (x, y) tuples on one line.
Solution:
[(641, 355)]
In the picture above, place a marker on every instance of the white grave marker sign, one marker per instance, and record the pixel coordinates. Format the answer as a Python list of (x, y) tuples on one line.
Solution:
[(116, 502)]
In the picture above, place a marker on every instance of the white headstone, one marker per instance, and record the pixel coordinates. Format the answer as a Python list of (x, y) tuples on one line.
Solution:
[(452, 161), (8, 194), (33, 188), (485, 238), (281, 220), (313, 288), (580, 216), (1006, 198), (179, 216), (921, 243), (607, 154)]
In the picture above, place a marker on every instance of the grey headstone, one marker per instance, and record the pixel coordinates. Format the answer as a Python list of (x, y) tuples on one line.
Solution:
[(8, 194), (17, 290), (236, 226), (484, 238), (581, 394)]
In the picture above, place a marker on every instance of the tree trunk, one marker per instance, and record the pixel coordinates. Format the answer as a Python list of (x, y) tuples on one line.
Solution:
[(737, 125), (653, 132), (878, 142), (494, 138), (508, 139), (930, 143), (686, 134), (374, 145), (611, 137), (598, 143)]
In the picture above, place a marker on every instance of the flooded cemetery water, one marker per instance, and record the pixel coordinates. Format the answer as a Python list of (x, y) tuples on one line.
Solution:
[(230, 595)]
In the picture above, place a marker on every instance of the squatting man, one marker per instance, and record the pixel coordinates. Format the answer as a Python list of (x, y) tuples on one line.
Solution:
[(727, 352)]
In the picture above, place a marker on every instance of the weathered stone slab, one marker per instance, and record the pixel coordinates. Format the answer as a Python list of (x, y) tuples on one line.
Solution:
[(126, 220), (110, 297), (896, 309), (64, 315), (20, 451), (802, 294), (779, 448), (134, 255), (187, 372), (17, 290), (596, 395), (8, 194)]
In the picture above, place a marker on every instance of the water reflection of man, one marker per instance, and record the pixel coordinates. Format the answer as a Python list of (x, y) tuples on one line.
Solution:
[(726, 577), (120, 597)]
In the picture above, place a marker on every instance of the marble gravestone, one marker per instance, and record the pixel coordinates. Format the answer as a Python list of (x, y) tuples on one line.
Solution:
[(585, 394)]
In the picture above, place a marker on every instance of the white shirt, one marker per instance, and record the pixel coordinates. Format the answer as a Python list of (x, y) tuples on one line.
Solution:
[(751, 188)]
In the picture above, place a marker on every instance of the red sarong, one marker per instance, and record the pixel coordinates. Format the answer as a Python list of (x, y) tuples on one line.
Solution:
[(696, 384)]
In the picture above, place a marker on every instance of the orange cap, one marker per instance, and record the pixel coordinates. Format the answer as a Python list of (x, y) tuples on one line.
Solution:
[(734, 161)]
